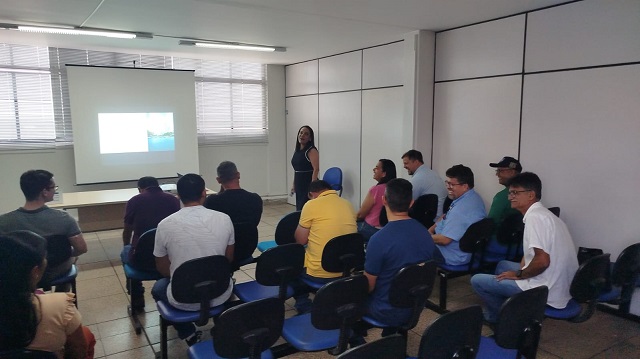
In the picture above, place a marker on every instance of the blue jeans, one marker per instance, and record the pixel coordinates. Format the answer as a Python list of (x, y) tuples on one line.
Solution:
[(494, 292), (301, 291), (136, 285), (159, 292)]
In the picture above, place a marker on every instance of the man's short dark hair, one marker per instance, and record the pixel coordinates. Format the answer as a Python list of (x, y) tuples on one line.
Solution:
[(413, 155), (33, 182), (529, 181), (319, 186), (190, 187), (462, 173), (398, 194), (227, 171), (147, 181)]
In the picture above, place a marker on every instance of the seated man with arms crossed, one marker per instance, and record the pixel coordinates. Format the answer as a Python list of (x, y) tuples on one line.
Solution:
[(466, 209), (323, 218), (244, 207), (38, 187), (403, 241), (143, 212), (549, 253), (192, 232)]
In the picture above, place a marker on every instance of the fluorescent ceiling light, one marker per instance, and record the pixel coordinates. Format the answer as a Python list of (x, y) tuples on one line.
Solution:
[(78, 31), (232, 46)]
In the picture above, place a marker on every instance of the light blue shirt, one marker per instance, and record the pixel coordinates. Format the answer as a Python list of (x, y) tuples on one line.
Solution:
[(464, 211), (427, 181)]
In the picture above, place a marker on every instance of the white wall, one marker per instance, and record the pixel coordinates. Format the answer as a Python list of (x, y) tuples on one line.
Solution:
[(576, 128), (262, 166)]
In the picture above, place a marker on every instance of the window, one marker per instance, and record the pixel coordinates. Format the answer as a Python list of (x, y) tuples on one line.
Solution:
[(34, 101)]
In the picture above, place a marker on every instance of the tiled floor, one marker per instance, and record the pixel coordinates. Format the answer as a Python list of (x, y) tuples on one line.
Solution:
[(103, 303)]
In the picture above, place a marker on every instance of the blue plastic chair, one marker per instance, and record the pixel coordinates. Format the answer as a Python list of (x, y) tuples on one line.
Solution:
[(390, 347), (68, 278), (195, 281), (517, 331), (144, 270), (333, 176), (275, 268), (244, 331), (285, 231), (336, 307), (624, 277), (586, 286)]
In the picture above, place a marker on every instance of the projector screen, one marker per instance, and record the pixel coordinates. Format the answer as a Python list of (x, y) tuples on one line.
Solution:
[(129, 123)]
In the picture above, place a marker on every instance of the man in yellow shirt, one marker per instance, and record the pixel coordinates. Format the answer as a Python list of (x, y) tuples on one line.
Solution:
[(323, 218)]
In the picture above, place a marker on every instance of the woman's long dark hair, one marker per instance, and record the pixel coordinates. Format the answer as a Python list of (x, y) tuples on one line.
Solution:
[(389, 168), (20, 252), (311, 139)]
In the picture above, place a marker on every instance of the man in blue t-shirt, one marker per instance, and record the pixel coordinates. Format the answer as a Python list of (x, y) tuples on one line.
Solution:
[(401, 242)]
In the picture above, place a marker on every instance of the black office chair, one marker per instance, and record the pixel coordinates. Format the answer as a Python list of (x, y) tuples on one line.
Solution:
[(425, 209), (518, 328), (195, 281), (446, 204), (244, 331), (27, 354), (473, 241), (144, 270), (383, 216), (59, 250), (285, 231), (510, 234), (390, 347), (453, 335), (587, 284), (275, 269), (410, 288), (624, 276), (246, 241), (336, 307), (342, 254)]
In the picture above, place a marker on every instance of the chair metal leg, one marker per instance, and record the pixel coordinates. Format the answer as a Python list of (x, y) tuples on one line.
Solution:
[(74, 291), (131, 310), (163, 338), (443, 291)]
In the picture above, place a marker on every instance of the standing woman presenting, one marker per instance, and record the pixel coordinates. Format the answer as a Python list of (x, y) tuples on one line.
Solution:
[(306, 163)]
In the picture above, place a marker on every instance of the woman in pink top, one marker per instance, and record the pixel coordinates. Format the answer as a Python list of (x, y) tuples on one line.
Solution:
[(369, 213), (46, 322)]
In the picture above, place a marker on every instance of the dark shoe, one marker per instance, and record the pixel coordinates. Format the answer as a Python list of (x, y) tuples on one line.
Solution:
[(194, 338)]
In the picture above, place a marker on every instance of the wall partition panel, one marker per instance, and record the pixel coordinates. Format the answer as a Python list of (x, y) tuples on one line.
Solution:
[(340, 72), (476, 122), (585, 33), (580, 134), (339, 145), (487, 49), (300, 111), (383, 66), (302, 78), (381, 132)]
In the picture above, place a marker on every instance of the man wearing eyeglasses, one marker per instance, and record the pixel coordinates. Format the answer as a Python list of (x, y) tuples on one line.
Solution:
[(466, 209), (549, 253), (38, 187)]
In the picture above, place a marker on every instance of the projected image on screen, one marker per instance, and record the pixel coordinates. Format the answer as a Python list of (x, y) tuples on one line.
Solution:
[(135, 132)]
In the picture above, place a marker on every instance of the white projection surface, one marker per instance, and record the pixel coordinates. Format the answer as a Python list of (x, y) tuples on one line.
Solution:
[(129, 123)]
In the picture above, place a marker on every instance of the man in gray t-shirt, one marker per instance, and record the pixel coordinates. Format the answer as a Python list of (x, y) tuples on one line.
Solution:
[(38, 187)]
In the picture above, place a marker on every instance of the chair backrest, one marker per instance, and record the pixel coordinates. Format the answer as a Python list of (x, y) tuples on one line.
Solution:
[(390, 347), (590, 278), (476, 236), (279, 265), (246, 237), (453, 335), (199, 281), (286, 228), (511, 229), (248, 329), (519, 321), (58, 249), (343, 254), (424, 209), (627, 267), (555, 210), (142, 255), (340, 301), (27, 354), (383, 216), (411, 287), (446, 204), (333, 176)]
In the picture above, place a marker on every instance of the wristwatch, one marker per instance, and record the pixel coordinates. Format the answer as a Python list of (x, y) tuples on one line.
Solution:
[(519, 273)]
